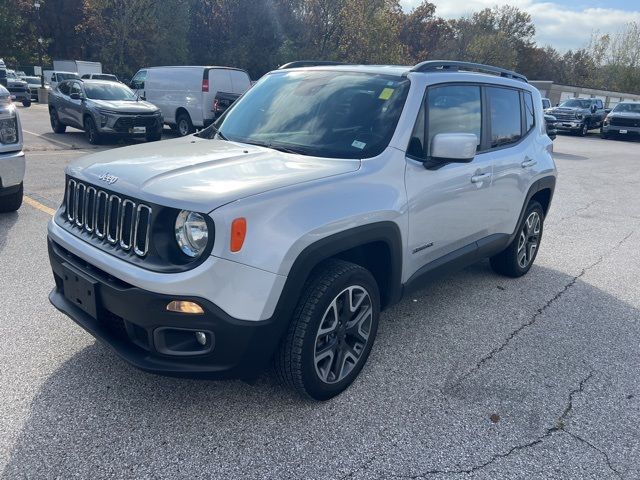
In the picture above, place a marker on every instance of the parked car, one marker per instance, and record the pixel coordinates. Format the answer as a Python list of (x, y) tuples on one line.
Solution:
[(34, 84), (190, 97), (103, 108), (12, 163), (100, 76), (550, 122), (624, 120), (280, 232), (19, 89), (578, 115), (53, 78)]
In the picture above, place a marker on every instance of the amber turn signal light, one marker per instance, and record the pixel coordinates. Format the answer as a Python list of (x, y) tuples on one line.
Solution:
[(181, 306), (238, 232)]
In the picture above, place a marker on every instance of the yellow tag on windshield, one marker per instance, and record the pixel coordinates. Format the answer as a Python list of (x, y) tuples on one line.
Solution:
[(386, 94)]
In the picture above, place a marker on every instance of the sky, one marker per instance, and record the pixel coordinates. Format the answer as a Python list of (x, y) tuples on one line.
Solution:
[(563, 24)]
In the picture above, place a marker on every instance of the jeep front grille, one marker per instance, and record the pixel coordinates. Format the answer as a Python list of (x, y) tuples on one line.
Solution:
[(106, 216)]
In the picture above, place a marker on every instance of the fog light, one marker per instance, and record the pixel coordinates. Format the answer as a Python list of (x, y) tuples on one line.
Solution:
[(201, 338), (181, 306)]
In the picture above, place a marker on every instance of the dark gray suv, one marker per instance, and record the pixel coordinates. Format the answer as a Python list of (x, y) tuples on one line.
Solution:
[(103, 108)]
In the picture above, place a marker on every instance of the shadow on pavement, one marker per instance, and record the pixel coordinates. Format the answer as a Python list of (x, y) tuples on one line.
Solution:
[(96, 416), (7, 221)]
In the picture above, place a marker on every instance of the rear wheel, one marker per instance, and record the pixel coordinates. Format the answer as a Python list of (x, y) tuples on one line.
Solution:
[(517, 258), (91, 131), (184, 125), (56, 124), (26, 103), (332, 331), (11, 203)]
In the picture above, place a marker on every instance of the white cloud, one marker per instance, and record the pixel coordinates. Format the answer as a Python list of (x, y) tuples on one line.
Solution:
[(556, 25)]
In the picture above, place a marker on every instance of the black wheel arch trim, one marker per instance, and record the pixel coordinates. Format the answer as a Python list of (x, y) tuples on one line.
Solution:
[(545, 183)]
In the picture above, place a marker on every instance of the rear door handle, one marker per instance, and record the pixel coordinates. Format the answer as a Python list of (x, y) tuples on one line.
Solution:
[(480, 177), (529, 162)]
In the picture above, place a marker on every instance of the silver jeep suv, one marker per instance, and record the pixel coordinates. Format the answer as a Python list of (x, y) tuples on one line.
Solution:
[(279, 233)]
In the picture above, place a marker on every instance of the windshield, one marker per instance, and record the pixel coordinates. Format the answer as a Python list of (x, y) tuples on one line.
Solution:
[(627, 107), (576, 103), (108, 91), (11, 74), (105, 76), (33, 80), (319, 113), (67, 76)]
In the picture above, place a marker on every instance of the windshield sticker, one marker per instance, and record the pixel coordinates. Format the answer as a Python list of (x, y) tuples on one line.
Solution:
[(386, 94), (358, 144)]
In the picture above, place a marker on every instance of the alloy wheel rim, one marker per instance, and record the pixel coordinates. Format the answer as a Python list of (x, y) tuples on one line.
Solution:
[(343, 334), (529, 239), (183, 127)]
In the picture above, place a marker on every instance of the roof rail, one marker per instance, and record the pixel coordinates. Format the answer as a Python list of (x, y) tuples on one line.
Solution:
[(449, 65), (309, 63)]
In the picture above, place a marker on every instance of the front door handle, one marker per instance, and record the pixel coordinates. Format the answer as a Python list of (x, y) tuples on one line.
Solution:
[(480, 177), (528, 162)]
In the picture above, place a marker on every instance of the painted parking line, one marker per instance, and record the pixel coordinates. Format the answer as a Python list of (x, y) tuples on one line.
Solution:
[(56, 142), (36, 204)]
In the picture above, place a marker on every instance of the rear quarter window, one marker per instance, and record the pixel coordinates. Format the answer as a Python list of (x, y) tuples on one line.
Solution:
[(505, 116)]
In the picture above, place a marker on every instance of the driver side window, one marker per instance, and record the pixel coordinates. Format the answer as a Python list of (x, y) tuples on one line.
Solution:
[(137, 82), (64, 88), (448, 109)]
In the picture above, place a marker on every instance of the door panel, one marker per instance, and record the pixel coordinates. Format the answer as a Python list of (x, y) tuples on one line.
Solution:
[(448, 204), (447, 210)]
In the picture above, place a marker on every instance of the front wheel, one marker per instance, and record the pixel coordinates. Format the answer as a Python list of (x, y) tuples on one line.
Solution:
[(332, 331), (154, 137), (11, 203), (584, 130), (91, 131), (518, 257), (26, 103)]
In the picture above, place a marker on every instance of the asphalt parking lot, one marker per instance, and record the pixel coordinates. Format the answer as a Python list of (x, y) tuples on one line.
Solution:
[(475, 377)]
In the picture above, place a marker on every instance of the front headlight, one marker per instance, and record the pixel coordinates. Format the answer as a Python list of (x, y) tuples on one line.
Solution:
[(606, 121), (192, 233), (8, 125)]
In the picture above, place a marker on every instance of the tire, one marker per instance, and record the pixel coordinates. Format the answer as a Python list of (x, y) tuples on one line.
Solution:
[(516, 260), (321, 375), (11, 203), (154, 137), (56, 125), (91, 131), (584, 130), (184, 126), (26, 103)]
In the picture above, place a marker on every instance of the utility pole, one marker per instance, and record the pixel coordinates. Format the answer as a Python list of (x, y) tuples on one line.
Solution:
[(36, 5)]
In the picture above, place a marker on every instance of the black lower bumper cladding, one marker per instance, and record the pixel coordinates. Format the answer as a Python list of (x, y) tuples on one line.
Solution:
[(137, 325)]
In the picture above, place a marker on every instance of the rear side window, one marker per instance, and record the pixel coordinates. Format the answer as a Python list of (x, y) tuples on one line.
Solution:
[(529, 112), (506, 120)]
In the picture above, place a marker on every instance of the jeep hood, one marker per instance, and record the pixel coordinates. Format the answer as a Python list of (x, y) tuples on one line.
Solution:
[(199, 174)]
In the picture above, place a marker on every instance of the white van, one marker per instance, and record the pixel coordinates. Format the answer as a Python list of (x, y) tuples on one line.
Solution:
[(190, 97)]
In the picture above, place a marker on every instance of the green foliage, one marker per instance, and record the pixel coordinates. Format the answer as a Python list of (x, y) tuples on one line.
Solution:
[(259, 35)]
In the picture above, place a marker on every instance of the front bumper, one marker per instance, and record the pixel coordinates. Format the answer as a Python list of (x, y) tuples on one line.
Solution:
[(12, 167), (569, 126), (126, 126), (619, 130), (136, 324)]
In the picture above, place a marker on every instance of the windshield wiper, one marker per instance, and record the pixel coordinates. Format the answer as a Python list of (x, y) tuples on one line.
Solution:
[(279, 148)]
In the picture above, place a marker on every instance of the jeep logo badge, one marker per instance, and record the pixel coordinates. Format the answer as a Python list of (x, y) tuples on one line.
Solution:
[(107, 177)]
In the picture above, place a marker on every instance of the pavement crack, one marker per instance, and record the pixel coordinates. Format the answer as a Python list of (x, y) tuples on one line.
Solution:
[(532, 320), (599, 450), (577, 211), (558, 427)]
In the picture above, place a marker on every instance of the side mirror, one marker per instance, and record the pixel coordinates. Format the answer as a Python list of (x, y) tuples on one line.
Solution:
[(75, 96), (594, 108), (454, 147)]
